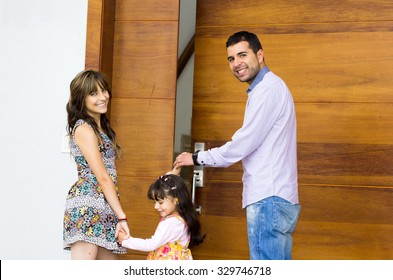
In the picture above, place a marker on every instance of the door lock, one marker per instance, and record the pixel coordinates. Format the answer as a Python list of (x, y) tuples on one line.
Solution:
[(197, 178), (198, 175)]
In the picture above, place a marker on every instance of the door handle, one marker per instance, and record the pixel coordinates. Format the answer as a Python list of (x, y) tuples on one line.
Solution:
[(197, 178), (198, 208)]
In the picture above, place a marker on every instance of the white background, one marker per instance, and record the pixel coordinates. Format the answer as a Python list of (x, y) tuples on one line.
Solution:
[(209, 270), (42, 47)]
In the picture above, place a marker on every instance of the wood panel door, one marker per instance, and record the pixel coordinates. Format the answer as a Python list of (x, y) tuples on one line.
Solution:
[(215, 118), (135, 43), (218, 109), (336, 58), (338, 68)]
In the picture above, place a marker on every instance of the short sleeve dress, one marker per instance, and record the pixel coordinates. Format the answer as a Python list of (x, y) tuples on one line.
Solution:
[(88, 216)]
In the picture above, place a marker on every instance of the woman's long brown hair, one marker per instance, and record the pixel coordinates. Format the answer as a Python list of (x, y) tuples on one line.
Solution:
[(81, 86)]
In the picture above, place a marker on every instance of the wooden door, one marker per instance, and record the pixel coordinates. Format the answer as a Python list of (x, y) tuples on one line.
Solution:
[(218, 108), (336, 59), (135, 43)]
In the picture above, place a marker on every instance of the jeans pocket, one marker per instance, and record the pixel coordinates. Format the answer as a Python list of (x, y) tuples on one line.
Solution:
[(285, 216)]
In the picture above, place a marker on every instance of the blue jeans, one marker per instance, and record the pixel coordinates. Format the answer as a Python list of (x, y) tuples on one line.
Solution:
[(270, 224)]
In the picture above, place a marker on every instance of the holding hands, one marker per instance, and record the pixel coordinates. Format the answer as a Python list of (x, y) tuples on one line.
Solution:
[(175, 171), (121, 236), (122, 230), (183, 159)]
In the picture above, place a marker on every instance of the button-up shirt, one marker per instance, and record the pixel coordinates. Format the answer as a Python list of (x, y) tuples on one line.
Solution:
[(266, 142)]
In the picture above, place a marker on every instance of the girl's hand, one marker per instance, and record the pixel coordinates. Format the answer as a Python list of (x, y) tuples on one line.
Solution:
[(121, 236), (175, 171), (122, 228)]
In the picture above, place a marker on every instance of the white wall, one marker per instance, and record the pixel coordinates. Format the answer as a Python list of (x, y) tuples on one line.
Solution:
[(42, 47), (185, 82)]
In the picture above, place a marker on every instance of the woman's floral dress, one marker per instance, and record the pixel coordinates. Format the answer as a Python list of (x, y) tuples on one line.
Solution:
[(171, 250), (88, 216)]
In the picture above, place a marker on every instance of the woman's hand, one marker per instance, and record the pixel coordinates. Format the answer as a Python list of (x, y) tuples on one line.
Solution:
[(121, 236), (122, 230)]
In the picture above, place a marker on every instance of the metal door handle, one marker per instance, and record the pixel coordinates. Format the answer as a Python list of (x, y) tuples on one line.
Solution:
[(197, 178), (198, 208)]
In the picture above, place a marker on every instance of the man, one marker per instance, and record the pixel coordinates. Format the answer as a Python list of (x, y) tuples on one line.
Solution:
[(266, 145)]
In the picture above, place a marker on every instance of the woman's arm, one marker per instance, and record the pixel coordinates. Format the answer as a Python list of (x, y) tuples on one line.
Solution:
[(87, 141)]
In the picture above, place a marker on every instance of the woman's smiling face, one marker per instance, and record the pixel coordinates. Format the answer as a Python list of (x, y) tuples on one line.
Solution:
[(97, 102)]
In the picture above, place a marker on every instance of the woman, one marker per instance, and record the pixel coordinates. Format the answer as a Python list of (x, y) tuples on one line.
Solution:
[(93, 216)]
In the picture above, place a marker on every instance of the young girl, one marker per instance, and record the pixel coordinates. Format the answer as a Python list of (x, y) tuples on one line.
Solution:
[(179, 226), (93, 215)]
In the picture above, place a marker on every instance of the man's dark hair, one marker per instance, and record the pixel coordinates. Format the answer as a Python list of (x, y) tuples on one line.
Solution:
[(251, 38)]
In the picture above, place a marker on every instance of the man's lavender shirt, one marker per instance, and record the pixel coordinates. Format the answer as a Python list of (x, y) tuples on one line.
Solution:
[(266, 142)]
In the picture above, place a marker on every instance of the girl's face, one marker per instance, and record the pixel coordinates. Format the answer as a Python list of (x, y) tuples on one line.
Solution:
[(97, 102), (166, 206)]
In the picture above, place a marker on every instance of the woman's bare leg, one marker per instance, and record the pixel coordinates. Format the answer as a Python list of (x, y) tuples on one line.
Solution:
[(84, 251), (105, 254)]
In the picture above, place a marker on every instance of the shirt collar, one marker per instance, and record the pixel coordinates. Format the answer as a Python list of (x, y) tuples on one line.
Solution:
[(258, 78)]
